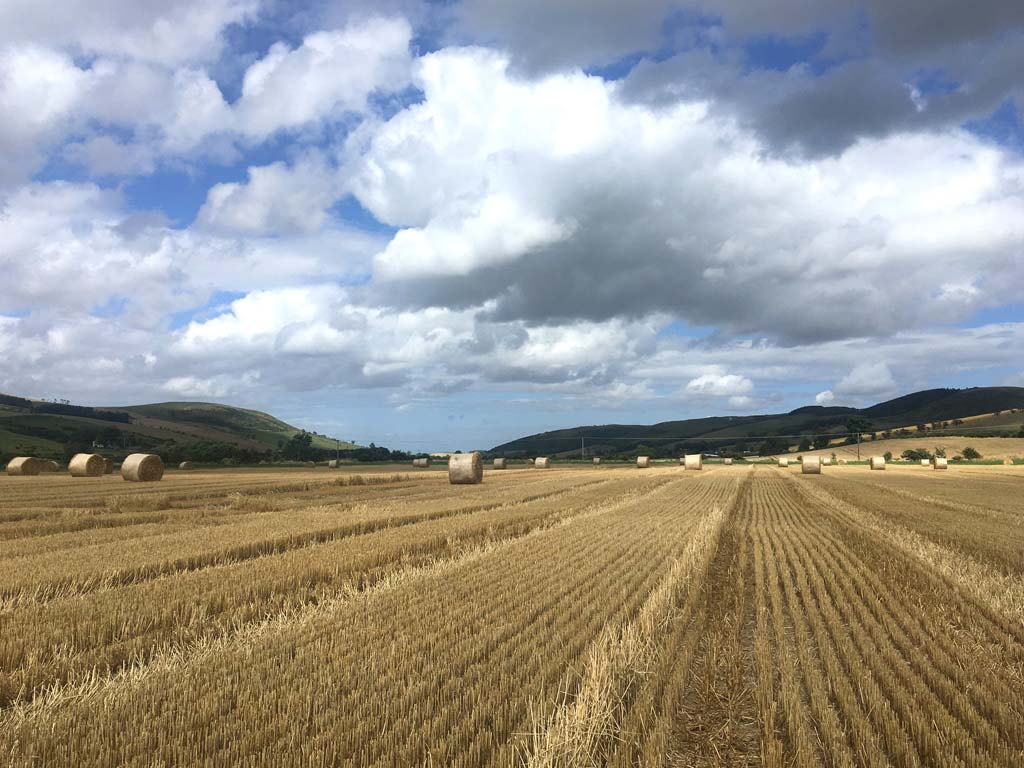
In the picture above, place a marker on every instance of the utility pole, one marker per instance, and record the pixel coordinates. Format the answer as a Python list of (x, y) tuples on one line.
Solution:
[(858, 446), (583, 448), (337, 450)]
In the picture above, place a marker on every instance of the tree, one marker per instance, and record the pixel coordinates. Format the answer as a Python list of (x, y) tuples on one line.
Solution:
[(822, 441), (773, 445), (888, 455), (916, 454), (299, 446), (859, 425), (805, 444), (970, 454)]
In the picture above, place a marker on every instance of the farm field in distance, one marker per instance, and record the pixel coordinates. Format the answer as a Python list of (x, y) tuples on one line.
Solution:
[(576, 616)]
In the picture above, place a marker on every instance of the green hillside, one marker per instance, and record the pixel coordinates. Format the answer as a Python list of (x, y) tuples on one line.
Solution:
[(39, 428), (975, 411)]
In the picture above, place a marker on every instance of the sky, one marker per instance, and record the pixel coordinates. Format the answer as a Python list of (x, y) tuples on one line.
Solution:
[(445, 225)]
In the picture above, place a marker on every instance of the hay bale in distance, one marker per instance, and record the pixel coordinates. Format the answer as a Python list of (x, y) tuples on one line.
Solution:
[(332, 464), (465, 468), (727, 462), (142, 468), (693, 461), (842, 461), (811, 465), (878, 462), (24, 465), (643, 462), (826, 461), (941, 463), (500, 463), (421, 463), (86, 465), (925, 463), (542, 462), (783, 462), (186, 465), (108, 466), (597, 459), (48, 465)]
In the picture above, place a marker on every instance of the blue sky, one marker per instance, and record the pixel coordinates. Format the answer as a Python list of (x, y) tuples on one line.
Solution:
[(444, 225)]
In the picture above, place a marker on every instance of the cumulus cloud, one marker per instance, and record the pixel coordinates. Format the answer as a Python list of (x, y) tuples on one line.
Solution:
[(336, 71), (627, 210), (167, 32), (825, 397), (866, 380), (275, 199), (720, 384)]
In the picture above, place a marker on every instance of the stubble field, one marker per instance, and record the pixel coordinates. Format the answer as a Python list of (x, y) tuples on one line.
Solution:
[(567, 617)]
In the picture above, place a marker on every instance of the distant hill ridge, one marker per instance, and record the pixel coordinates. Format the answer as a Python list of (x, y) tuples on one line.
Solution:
[(43, 428), (928, 407)]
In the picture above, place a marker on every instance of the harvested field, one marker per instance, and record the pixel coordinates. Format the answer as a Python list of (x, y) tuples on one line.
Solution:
[(736, 616)]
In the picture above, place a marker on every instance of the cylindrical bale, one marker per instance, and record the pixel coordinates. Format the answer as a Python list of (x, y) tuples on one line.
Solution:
[(465, 468), (925, 463), (421, 462), (108, 466), (597, 459), (826, 461), (842, 461), (142, 468), (332, 464), (86, 465), (48, 465), (186, 465), (531, 462), (643, 462), (500, 463), (878, 462), (542, 462), (727, 462), (693, 461), (311, 464), (24, 465), (783, 462), (811, 465), (941, 463)]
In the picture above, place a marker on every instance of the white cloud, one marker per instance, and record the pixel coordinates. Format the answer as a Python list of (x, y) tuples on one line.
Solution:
[(276, 199), (610, 209), (720, 384), (825, 397), (331, 73), (866, 380), (169, 32)]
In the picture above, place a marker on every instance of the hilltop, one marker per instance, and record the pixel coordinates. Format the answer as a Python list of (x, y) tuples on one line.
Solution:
[(42, 428), (980, 411)]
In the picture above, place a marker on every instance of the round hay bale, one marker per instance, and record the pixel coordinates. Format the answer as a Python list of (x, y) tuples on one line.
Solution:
[(421, 463), (925, 463), (941, 463), (643, 462), (108, 466), (186, 465), (811, 465), (542, 462), (86, 465), (727, 462), (24, 465), (693, 461), (500, 463), (465, 468), (142, 468), (842, 461), (332, 464), (826, 461), (878, 462), (530, 462), (597, 459), (311, 464), (48, 465), (783, 462), (1007, 462)]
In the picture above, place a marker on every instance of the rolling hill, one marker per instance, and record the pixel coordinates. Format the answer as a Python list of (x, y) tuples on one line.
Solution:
[(41, 428), (978, 410)]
